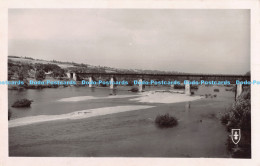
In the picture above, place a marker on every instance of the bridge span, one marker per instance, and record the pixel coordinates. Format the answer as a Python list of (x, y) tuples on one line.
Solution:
[(158, 77)]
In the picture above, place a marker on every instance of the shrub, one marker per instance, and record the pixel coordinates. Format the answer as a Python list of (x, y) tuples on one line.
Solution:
[(22, 103), (216, 90), (40, 75), (134, 89), (166, 121), (182, 86), (177, 86), (194, 87), (239, 117), (225, 118)]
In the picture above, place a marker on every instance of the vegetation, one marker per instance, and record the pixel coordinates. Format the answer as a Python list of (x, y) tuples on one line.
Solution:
[(166, 121), (40, 75), (134, 89), (231, 89), (239, 117), (216, 90), (55, 69), (10, 56), (22, 103), (22, 70), (182, 86)]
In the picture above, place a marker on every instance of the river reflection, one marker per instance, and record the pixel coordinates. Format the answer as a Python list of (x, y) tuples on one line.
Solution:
[(187, 106), (113, 92)]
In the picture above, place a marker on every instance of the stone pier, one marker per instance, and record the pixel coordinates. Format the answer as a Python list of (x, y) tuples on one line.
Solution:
[(90, 79), (141, 86), (111, 83), (74, 77), (187, 88), (239, 90)]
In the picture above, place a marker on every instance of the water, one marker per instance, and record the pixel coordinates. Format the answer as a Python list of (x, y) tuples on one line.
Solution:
[(45, 101), (130, 134)]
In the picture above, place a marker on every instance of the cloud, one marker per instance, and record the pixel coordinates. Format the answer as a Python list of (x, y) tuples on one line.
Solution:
[(161, 39)]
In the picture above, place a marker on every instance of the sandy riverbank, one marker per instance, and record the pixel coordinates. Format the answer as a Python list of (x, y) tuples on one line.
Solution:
[(75, 115), (84, 98), (146, 97), (165, 97)]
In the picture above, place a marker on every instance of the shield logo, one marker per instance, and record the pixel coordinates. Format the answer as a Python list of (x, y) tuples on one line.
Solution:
[(235, 135)]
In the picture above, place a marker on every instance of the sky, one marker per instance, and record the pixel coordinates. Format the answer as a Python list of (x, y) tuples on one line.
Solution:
[(213, 41)]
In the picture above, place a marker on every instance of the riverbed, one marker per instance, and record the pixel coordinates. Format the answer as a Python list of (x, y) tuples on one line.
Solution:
[(121, 134)]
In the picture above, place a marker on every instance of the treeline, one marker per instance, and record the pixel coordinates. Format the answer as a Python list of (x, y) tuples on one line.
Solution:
[(22, 71)]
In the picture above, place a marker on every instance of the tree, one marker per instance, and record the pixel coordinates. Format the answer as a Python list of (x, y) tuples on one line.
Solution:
[(58, 72), (22, 72), (40, 75)]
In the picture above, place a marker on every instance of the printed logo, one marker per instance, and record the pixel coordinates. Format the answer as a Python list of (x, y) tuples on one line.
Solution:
[(235, 135)]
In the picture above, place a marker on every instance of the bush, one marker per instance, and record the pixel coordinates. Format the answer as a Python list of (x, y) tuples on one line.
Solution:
[(166, 121), (22, 103), (216, 90), (182, 86), (225, 118), (194, 87), (134, 89), (179, 86), (239, 117), (40, 75)]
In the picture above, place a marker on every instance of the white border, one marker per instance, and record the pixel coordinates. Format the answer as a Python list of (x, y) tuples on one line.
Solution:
[(184, 4)]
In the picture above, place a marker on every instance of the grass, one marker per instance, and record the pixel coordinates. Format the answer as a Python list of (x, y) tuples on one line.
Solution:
[(22, 103), (166, 121)]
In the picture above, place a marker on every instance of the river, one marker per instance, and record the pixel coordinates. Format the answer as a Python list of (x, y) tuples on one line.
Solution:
[(127, 134)]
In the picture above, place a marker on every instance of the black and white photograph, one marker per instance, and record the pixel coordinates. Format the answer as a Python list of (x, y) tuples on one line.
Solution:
[(129, 83)]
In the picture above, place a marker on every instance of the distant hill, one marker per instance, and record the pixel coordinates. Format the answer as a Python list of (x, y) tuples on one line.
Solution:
[(80, 67)]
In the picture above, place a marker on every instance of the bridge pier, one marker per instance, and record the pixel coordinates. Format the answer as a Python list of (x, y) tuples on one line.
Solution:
[(90, 80), (187, 88), (72, 76), (239, 90), (111, 83), (141, 86), (68, 75)]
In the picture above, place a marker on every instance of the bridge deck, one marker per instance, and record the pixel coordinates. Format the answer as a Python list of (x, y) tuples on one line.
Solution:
[(213, 77)]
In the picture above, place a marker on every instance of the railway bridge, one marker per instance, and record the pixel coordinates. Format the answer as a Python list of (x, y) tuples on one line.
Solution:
[(158, 77)]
